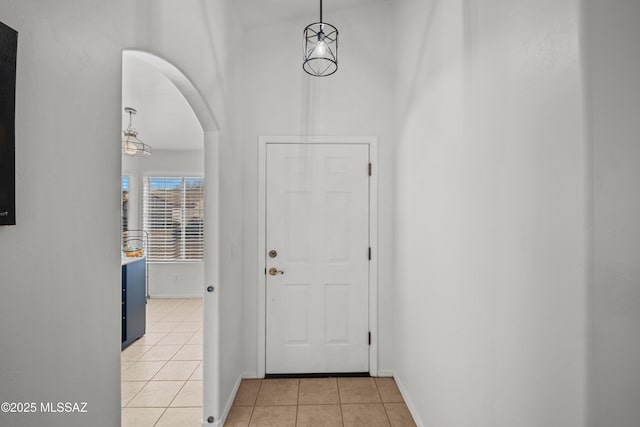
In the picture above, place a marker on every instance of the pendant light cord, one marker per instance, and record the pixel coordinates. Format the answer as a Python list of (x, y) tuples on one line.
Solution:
[(320, 10)]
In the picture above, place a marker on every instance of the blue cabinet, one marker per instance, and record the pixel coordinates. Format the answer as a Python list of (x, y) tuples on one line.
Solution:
[(134, 300)]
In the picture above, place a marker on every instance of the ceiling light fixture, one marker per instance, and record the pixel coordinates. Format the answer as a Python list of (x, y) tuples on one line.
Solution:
[(131, 145), (320, 42)]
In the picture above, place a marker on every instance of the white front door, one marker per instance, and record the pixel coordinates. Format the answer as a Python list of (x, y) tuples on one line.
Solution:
[(317, 258)]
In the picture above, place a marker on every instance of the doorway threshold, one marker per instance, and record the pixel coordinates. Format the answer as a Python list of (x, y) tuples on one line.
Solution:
[(321, 375)]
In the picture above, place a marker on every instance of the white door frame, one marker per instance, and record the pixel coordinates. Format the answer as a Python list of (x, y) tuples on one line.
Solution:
[(211, 321), (372, 142)]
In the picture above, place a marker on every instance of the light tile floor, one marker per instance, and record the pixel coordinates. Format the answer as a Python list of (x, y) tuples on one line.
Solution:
[(321, 402), (162, 371), (162, 384)]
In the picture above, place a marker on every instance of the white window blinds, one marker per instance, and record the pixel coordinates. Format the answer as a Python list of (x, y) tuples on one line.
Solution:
[(125, 204), (173, 217)]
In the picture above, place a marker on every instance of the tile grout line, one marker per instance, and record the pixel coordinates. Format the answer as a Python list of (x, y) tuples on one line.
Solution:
[(384, 408), (340, 401), (160, 417), (126, 405), (298, 402), (165, 363), (183, 385), (161, 367), (250, 416), (254, 403)]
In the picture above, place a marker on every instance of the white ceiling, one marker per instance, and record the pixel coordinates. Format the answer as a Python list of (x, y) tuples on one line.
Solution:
[(256, 13), (164, 120)]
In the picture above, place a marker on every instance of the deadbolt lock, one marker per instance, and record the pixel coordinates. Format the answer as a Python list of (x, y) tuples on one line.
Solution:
[(274, 271), (273, 253)]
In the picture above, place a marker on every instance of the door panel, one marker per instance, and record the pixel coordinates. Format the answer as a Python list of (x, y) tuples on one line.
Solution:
[(317, 219)]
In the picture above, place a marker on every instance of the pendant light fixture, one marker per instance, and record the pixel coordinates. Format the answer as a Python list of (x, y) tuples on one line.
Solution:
[(131, 145), (320, 42)]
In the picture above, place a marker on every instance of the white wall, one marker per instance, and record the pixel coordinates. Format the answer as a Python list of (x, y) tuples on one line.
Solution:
[(612, 60), (176, 280), (60, 308), (490, 232), (201, 38), (280, 99), (60, 266), (164, 118), (166, 280)]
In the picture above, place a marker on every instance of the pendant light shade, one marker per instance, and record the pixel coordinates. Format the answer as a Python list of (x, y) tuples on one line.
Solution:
[(320, 43), (131, 145)]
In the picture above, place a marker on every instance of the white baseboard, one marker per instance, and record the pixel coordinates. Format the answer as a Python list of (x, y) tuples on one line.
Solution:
[(227, 407), (385, 373), (215, 424), (173, 296), (408, 402)]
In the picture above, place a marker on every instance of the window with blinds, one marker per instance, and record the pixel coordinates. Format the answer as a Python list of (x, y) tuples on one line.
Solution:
[(125, 204), (173, 217)]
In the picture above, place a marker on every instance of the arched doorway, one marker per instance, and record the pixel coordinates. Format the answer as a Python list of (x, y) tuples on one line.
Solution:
[(209, 143)]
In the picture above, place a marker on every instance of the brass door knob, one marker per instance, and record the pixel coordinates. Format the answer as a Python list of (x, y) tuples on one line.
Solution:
[(274, 271)]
